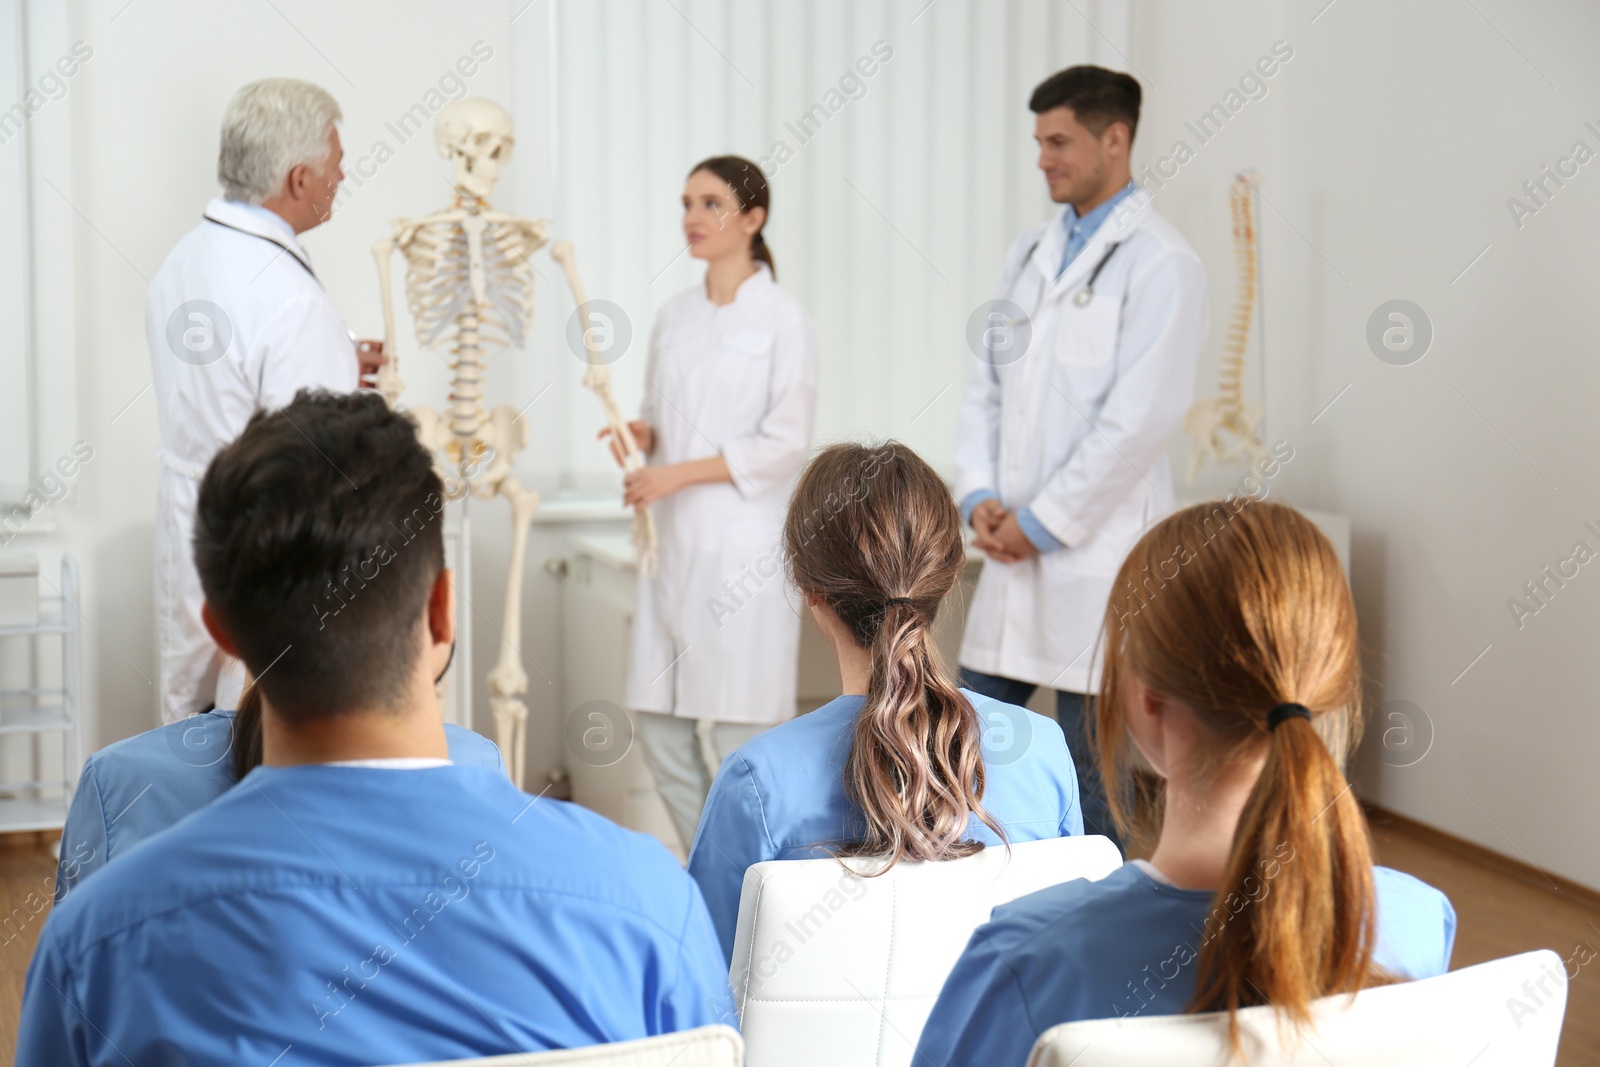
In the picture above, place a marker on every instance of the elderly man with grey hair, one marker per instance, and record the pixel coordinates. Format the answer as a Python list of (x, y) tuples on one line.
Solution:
[(236, 320)]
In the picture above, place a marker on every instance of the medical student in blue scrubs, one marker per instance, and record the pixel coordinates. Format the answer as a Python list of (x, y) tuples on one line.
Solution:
[(904, 765), (359, 898), (1232, 665), (143, 784)]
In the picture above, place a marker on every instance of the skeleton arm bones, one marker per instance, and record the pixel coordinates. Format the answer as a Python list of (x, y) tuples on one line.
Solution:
[(598, 378)]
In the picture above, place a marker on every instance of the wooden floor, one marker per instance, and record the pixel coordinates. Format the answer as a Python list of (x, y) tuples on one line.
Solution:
[(1499, 914), (25, 867)]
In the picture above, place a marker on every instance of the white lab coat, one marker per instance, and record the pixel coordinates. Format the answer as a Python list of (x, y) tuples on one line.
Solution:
[(277, 333), (716, 634), (1077, 431)]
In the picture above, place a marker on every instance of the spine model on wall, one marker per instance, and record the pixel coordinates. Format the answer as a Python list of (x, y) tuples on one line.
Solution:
[(1226, 427)]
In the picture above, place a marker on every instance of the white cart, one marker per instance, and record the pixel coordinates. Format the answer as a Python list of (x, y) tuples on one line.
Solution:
[(36, 802)]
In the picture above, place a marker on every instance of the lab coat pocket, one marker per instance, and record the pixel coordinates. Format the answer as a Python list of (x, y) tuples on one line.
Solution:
[(1087, 336), (748, 343), (725, 374), (1102, 554), (740, 367)]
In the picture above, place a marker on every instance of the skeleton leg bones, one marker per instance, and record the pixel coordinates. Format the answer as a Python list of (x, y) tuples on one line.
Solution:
[(508, 682)]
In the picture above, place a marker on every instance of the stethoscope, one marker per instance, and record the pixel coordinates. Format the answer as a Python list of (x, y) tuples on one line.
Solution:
[(263, 237), (354, 342), (1083, 296)]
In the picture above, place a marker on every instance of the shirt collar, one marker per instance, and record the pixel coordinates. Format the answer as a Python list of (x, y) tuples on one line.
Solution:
[(258, 220), (393, 763), (1089, 223), (758, 281), (265, 219)]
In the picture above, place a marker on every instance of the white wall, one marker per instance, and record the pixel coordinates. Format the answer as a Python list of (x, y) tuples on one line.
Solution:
[(1389, 146), (889, 216)]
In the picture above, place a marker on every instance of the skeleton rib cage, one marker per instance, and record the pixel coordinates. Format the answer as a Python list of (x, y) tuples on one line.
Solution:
[(438, 282)]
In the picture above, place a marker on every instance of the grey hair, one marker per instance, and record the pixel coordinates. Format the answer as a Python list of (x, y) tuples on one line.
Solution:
[(271, 127)]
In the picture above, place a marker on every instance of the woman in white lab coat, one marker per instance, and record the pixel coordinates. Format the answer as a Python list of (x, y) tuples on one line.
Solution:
[(726, 422)]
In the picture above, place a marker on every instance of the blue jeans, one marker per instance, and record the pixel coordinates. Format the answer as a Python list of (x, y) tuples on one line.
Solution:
[(1070, 709)]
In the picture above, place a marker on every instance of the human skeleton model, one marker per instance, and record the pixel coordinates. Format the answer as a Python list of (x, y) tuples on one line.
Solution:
[(469, 286), (1224, 427)]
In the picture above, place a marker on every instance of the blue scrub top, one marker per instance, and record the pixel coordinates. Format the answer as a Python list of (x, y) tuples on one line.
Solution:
[(367, 915), (1124, 946), (781, 795), (143, 784)]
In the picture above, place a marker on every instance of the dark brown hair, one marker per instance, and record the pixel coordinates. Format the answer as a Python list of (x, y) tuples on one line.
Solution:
[(750, 186), (246, 747), (1233, 608), (1096, 96), (873, 533), (318, 539)]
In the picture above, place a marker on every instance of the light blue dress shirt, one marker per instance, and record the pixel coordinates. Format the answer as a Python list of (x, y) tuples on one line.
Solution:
[(143, 784), (329, 915), (1124, 946), (1079, 230), (781, 795)]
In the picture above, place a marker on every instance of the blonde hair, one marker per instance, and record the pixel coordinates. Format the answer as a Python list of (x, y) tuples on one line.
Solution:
[(1233, 609), (874, 534), (272, 126)]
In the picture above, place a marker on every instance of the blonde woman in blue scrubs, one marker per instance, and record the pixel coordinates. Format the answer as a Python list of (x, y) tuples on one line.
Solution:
[(903, 765)]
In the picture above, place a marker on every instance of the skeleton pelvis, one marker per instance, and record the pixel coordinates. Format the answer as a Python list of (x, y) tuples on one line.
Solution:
[(477, 462)]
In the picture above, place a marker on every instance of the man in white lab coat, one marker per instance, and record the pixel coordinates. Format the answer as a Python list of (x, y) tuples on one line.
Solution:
[(236, 320), (1085, 370)]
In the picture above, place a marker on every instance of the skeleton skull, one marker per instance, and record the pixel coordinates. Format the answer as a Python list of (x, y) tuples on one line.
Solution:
[(475, 135)]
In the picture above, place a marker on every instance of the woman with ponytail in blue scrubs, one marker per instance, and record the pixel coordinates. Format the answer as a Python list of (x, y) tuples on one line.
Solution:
[(1239, 683), (904, 765)]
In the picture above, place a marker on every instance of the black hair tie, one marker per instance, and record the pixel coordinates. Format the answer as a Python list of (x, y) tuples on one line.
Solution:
[(898, 600), (1287, 711)]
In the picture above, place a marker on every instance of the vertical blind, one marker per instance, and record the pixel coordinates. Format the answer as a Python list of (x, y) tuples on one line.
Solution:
[(895, 193), (16, 273)]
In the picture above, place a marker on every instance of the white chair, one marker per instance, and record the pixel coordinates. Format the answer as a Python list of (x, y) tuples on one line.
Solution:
[(1495, 1014), (837, 969), (707, 1046)]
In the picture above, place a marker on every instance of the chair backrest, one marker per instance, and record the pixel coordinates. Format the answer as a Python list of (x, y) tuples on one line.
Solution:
[(830, 967), (707, 1046), (1505, 1013)]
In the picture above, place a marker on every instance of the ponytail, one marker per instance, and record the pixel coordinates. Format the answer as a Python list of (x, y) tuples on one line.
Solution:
[(762, 254), (1256, 612), (874, 534), (916, 768), (245, 746), (1296, 916)]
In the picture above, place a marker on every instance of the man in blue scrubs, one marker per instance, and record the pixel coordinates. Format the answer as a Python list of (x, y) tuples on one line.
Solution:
[(135, 788), (359, 898)]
